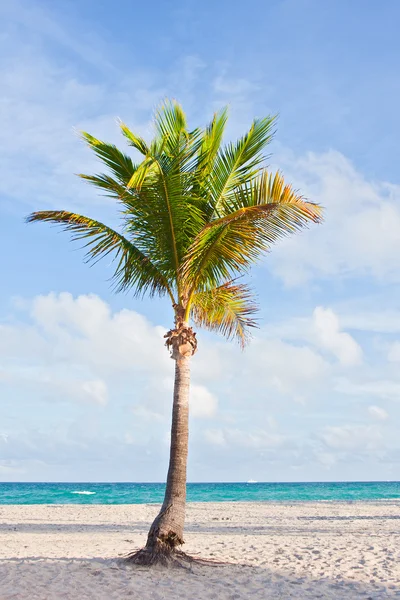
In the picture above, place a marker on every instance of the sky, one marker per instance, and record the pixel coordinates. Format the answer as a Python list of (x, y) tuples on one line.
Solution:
[(86, 383)]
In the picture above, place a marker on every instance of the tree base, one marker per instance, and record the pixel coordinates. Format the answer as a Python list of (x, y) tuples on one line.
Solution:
[(165, 557), (162, 554)]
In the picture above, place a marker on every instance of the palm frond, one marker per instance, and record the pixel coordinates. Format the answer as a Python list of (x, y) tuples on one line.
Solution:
[(211, 142), (227, 309), (269, 189), (134, 140), (173, 139), (208, 151), (164, 217), (261, 213), (119, 163), (238, 163), (134, 269), (143, 170), (104, 182), (170, 123)]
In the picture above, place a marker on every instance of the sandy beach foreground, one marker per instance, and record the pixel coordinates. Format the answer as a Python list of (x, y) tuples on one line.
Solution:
[(349, 550)]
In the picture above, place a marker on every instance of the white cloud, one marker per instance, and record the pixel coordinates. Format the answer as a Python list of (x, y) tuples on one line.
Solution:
[(54, 387), (203, 404), (215, 437), (76, 348), (71, 336), (234, 437), (49, 384), (7, 471), (385, 389), (394, 352), (289, 369), (323, 331), (352, 437), (378, 413), (384, 321), (362, 219), (83, 330), (96, 390), (341, 344), (327, 459), (143, 413)]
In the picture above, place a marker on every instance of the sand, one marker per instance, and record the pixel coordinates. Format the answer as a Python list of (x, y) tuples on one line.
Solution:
[(277, 551)]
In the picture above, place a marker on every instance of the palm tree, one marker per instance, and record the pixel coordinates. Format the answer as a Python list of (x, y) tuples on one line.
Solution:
[(195, 216)]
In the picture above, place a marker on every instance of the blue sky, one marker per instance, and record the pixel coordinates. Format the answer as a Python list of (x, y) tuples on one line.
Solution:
[(85, 380)]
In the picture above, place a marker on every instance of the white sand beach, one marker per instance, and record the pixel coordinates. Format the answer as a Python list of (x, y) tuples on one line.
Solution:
[(275, 551)]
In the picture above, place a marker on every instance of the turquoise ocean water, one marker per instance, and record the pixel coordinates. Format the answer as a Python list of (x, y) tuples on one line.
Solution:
[(141, 493)]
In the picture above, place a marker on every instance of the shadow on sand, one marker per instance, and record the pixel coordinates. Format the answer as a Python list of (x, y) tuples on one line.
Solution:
[(80, 579)]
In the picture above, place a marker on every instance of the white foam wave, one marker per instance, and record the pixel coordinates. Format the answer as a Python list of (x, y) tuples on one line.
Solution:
[(84, 492)]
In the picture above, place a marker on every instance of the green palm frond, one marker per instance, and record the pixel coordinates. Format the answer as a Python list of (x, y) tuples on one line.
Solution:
[(268, 188), (227, 309), (133, 270), (111, 186), (164, 218), (174, 144), (146, 167), (171, 126), (261, 213), (211, 143), (119, 163), (134, 140), (238, 163)]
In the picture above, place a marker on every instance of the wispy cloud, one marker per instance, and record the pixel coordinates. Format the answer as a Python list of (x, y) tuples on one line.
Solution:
[(362, 219), (34, 19)]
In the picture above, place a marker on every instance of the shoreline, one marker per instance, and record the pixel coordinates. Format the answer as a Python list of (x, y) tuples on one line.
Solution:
[(380, 501), (300, 550)]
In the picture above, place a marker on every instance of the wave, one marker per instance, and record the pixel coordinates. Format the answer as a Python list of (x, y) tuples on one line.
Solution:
[(84, 492)]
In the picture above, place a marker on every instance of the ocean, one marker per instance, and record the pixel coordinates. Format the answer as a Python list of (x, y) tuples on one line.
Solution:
[(143, 493)]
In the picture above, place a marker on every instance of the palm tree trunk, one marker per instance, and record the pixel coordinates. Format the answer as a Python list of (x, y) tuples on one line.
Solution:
[(166, 532)]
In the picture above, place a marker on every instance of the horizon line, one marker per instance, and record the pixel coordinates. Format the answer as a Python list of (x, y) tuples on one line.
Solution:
[(208, 482)]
